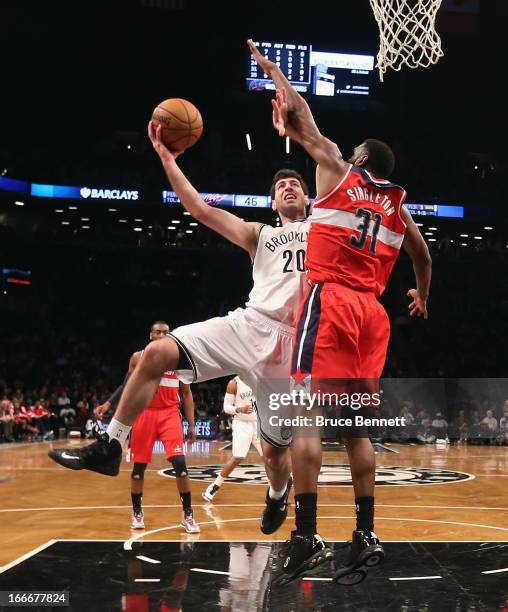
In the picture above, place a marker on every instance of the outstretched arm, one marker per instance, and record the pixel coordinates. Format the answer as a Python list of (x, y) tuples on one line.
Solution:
[(416, 247), (111, 403), (241, 233), (292, 117)]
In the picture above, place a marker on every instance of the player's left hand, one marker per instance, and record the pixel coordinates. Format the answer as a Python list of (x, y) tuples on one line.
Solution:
[(191, 433), (280, 112), (418, 306)]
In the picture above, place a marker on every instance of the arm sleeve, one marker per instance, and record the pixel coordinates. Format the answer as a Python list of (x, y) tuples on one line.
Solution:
[(115, 396), (229, 403)]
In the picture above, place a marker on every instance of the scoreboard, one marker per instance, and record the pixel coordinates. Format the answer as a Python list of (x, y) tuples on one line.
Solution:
[(293, 59)]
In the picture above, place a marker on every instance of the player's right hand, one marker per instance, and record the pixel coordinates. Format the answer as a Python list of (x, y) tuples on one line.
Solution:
[(155, 135), (418, 306), (265, 64), (101, 410), (247, 409)]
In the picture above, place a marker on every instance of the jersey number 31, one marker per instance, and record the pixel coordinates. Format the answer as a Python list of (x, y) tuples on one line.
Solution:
[(366, 219)]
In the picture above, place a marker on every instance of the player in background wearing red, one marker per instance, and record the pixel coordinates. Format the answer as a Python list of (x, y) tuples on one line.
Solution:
[(160, 421), (358, 225)]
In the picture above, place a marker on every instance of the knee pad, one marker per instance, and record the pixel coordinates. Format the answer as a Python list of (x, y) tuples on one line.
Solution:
[(138, 471), (179, 466)]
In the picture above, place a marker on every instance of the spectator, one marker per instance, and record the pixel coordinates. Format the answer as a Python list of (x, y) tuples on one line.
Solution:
[(490, 421), (440, 426), (7, 420), (503, 423)]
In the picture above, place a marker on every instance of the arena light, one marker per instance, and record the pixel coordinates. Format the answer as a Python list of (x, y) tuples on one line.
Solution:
[(463, 244), (138, 220), (171, 227), (193, 224), (419, 224), (59, 210), (85, 227), (432, 240), (85, 219), (433, 228), (19, 203), (65, 223), (249, 143), (464, 235), (138, 229), (429, 233), (188, 231), (488, 227), (478, 237), (186, 213), (112, 209), (122, 220), (175, 221), (73, 208), (287, 144)]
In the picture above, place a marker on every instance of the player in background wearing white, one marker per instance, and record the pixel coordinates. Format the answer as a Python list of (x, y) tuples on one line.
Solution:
[(238, 402), (254, 342)]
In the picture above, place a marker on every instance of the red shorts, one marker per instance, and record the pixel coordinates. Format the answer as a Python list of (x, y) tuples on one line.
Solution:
[(341, 334), (156, 424)]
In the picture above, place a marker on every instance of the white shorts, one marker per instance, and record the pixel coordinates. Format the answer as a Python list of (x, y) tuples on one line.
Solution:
[(247, 344), (245, 433)]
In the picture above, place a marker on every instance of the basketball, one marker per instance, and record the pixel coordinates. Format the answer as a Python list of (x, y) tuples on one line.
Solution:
[(181, 122)]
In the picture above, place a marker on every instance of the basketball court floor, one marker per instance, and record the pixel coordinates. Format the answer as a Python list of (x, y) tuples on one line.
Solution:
[(441, 514)]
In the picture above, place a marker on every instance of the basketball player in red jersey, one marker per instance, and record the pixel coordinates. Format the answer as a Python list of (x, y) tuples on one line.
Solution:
[(160, 421), (358, 225)]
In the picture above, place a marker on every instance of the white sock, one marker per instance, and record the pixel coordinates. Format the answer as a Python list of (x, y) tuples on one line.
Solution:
[(219, 481), (118, 431), (275, 495)]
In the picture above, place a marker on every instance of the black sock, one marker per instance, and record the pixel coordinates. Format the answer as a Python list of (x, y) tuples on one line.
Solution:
[(136, 501), (364, 513), (186, 501), (306, 513)]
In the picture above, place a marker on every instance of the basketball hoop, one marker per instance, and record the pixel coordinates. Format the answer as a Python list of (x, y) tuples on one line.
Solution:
[(407, 33)]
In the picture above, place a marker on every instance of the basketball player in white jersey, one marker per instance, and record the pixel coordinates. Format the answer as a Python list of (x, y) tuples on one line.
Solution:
[(238, 402), (254, 342)]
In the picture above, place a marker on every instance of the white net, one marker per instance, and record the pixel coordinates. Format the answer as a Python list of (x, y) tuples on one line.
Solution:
[(407, 33)]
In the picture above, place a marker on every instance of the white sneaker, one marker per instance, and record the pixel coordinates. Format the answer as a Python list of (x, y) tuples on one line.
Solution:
[(189, 524), (210, 492), (138, 520)]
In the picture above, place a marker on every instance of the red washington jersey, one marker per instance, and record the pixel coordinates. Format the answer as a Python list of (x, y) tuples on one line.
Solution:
[(167, 395), (356, 232)]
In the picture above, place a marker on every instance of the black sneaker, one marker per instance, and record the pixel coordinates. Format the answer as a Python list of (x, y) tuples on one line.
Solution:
[(101, 456), (298, 556), (365, 552), (276, 510)]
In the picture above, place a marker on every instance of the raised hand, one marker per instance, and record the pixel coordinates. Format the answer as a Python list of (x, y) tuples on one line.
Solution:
[(154, 133), (266, 64)]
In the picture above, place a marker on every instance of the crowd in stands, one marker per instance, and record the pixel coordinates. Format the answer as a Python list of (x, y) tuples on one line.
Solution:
[(49, 412)]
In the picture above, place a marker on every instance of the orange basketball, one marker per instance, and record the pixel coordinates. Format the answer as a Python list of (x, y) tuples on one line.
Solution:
[(181, 122)]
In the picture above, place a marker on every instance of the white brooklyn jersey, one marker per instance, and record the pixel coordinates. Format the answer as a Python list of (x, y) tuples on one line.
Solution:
[(244, 395), (279, 271)]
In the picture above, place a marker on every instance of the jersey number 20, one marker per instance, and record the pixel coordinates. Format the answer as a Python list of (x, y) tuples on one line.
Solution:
[(299, 260), (366, 219)]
